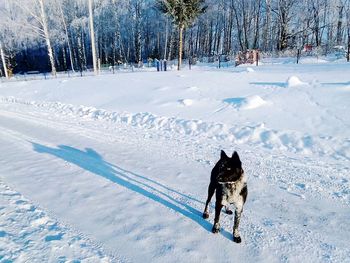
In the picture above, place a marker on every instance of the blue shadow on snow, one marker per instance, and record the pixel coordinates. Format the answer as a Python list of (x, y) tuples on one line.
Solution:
[(93, 162), (276, 84)]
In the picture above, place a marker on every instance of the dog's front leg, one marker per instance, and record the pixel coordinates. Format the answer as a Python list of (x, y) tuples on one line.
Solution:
[(218, 207), (211, 190), (236, 235)]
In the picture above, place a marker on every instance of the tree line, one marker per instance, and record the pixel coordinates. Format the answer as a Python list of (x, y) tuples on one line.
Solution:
[(50, 35)]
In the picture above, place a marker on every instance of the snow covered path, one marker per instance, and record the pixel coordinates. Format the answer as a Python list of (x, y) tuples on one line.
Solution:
[(136, 195), (41, 238)]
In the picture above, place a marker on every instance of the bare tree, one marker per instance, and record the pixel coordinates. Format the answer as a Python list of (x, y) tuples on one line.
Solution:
[(37, 21), (340, 8), (283, 10), (67, 36), (43, 22)]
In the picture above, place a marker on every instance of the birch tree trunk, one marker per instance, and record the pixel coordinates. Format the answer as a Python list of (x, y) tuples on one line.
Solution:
[(171, 43), (181, 28), (47, 37), (339, 26), (138, 34), (92, 35), (166, 38), (348, 29), (3, 61), (348, 55), (266, 35), (68, 42)]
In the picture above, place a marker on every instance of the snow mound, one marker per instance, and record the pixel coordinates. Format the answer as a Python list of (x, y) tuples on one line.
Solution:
[(193, 88), (247, 103), (259, 134), (186, 102), (164, 88), (294, 81), (250, 69), (253, 102), (346, 88)]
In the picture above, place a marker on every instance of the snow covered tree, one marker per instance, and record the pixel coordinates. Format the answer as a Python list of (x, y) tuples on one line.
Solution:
[(183, 13), (36, 19)]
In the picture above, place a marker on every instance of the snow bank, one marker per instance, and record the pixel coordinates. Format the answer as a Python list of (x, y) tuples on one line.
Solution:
[(294, 81), (253, 102), (248, 103), (346, 88), (258, 134), (186, 102), (313, 60)]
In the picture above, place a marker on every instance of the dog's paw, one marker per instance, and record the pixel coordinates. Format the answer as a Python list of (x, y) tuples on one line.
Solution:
[(216, 228), (237, 239), (205, 215), (229, 212)]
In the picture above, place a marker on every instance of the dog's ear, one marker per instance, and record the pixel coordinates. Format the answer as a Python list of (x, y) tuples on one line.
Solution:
[(235, 159), (223, 155)]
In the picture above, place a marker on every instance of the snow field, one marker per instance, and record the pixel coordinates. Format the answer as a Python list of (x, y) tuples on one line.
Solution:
[(130, 169), (128, 174)]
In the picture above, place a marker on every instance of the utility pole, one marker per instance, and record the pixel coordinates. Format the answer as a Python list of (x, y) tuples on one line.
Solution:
[(92, 34)]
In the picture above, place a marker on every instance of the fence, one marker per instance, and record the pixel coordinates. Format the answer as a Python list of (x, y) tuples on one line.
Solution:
[(105, 70)]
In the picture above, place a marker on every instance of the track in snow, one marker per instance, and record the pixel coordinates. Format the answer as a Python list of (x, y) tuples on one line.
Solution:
[(140, 194)]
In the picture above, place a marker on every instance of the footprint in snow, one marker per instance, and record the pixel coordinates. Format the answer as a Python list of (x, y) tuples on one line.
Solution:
[(54, 237), (2, 233)]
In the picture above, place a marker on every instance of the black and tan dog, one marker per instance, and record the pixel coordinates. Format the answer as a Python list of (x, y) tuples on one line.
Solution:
[(230, 183)]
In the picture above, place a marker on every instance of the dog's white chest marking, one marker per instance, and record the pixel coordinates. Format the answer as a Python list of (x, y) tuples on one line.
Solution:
[(232, 192)]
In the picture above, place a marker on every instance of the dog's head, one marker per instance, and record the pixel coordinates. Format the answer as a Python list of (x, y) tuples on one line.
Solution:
[(230, 169)]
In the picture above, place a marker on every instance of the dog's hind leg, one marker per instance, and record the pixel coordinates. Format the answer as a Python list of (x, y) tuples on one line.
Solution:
[(216, 226), (211, 190), (236, 235)]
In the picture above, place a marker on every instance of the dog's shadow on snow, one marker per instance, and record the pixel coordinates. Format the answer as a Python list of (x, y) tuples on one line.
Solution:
[(93, 162)]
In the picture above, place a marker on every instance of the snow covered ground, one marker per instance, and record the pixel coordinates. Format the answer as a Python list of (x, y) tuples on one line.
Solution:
[(115, 168)]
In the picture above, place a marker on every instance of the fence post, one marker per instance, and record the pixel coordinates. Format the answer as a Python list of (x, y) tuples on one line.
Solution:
[(158, 65), (298, 55)]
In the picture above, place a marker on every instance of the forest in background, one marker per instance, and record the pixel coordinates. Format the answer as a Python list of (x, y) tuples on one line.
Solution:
[(132, 31)]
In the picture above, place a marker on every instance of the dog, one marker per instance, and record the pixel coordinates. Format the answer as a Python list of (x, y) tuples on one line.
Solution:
[(230, 183)]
